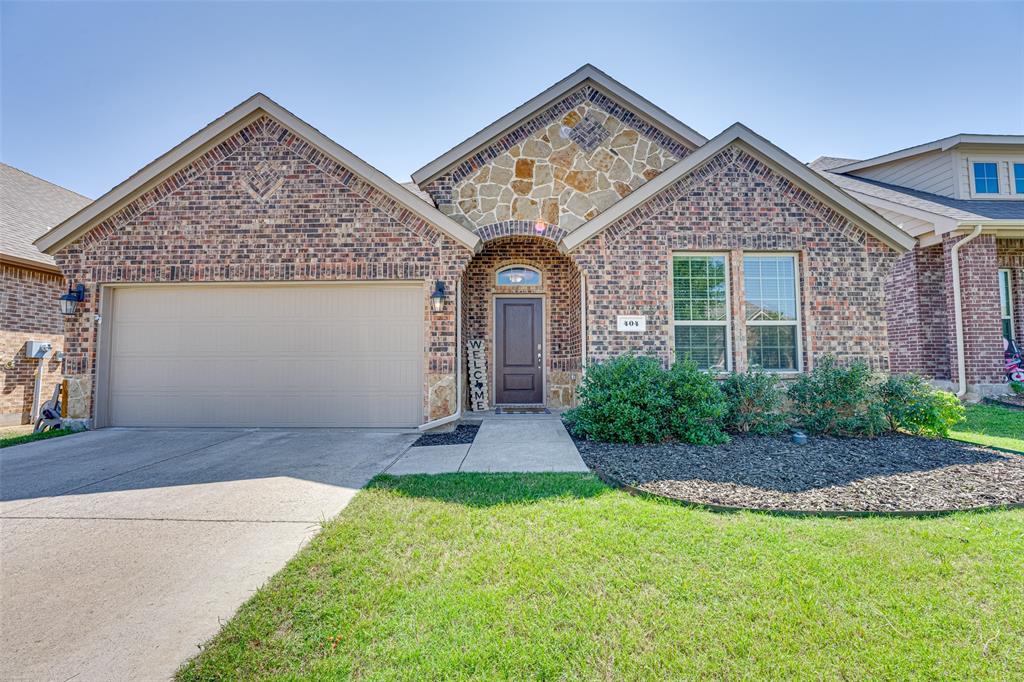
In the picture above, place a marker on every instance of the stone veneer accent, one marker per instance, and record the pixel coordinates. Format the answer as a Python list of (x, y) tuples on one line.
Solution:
[(737, 203), (560, 282), (28, 312), (562, 168), (265, 205)]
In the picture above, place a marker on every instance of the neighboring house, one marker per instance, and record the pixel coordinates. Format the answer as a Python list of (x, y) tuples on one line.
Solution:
[(941, 193), (30, 284), (261, 274)]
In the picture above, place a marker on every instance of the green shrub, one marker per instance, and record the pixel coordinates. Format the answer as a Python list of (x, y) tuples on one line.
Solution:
[(625, 400), (698, 405), (841, 401), (755, 403), (1017, 387), (911, 404)]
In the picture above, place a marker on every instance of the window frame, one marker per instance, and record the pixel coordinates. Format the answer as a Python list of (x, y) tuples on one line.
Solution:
[(1013, 176), (727, 323), (973, 163), (1001, 273), (522, 266), (797, 323)]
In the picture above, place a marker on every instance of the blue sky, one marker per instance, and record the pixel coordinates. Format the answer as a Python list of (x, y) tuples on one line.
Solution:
[(91, 92)]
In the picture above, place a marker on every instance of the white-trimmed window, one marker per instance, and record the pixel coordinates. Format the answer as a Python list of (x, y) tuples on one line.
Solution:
[(518, 276), (986, 177), (771, 304), (700, 308), (1018, 178), (1006, 304)]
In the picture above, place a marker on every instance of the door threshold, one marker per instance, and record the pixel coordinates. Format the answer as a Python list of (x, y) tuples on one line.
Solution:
[(521, 409)]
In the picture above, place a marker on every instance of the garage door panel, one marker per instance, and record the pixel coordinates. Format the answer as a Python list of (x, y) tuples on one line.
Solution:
[(197, 355)]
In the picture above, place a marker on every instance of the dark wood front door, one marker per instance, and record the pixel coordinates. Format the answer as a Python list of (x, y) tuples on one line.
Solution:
[(519, 350)]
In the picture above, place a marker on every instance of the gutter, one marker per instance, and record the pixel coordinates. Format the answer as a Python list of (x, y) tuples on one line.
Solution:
[(958, 313), (455, 416)]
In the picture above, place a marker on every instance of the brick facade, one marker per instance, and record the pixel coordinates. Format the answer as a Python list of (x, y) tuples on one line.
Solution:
[(1010, 256), (28, 311), (265, 205), (736, 203), (560, 290), (917, 309)]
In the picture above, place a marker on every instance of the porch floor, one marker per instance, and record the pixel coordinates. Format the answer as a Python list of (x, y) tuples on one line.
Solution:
[(516, 443)]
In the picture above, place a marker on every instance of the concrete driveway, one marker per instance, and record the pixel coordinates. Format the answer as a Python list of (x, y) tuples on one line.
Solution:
[(122, 550)]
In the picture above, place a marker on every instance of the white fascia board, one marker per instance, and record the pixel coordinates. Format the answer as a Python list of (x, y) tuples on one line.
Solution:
[(652, 112), (737, 132), (70, 229), (937, 220), (942, 145)]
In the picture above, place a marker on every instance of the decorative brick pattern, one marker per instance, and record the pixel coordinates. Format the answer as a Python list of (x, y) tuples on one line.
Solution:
[(561, 168), (736, 203), (228, 216), (560, 290), (28, 312)]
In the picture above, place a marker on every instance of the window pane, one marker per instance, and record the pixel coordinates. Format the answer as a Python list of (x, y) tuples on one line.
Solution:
[(986, 178), (771, 347), (518, 276), (705, 345), (769, 287), (1018, 177), (1007, 329), (1004, 292), (699, 286)]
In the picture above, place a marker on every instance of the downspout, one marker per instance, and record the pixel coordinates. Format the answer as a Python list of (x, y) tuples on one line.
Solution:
[(958, 313), (455, 416), (38, 388)]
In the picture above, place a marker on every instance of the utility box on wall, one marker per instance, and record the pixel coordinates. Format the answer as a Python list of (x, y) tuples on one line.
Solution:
[(37, 349)]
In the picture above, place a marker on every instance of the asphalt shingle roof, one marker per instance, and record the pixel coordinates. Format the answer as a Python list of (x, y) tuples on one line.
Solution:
[(29, 207)]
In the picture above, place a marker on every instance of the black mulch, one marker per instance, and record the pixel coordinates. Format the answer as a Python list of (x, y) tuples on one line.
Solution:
[(885, 474), (463, 433)]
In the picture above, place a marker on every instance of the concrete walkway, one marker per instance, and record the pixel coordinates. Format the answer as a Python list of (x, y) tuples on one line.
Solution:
[(517, 443)]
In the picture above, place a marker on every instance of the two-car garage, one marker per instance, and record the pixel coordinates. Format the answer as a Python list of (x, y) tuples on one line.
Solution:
[(290, 354)]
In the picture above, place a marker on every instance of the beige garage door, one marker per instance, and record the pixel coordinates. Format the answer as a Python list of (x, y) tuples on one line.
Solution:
[(285, 355)]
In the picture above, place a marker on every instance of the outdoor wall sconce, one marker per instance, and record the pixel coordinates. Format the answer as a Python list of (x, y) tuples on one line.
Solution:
[(69, 301), (437, 298)]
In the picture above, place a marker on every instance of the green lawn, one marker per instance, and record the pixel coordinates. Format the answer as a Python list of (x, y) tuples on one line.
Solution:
[(8, 441), (992, 425), (555, 576)]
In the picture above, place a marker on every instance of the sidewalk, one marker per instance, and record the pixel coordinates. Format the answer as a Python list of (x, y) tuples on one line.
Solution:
[(516, 443)]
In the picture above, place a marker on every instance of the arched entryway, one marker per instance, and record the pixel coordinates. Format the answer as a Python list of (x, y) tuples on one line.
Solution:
[(521, 299)]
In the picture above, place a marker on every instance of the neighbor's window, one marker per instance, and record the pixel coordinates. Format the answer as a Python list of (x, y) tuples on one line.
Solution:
[(1005, 304), (518, 275), (700, 310), (770, 302), (1018, 178), (986, 178)]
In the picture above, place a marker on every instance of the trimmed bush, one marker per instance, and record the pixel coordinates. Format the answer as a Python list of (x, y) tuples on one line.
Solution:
[(838, 401), (698, 405), (625, 400), (912, 405), (755, 401)]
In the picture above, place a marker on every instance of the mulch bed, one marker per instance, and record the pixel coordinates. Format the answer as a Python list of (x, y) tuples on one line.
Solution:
[(890, 473), (463, 434)]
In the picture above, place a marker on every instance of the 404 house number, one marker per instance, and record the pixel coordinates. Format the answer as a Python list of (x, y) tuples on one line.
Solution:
[(632, 323)]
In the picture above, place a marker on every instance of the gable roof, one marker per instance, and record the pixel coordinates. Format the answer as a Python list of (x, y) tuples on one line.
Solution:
[(737, 132), (933, 146), (577, 78), (82, 221), (29, 206)]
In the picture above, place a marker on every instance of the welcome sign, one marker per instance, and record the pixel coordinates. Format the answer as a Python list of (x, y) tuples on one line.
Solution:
[(477, 375)]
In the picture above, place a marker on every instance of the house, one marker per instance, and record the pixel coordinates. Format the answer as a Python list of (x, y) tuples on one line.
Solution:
[(962, 199), (30, 284), (261, 274)]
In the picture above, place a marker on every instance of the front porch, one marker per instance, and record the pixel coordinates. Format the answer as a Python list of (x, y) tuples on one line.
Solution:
[(522, 307)]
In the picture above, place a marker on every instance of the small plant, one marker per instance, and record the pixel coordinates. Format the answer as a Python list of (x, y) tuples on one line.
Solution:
[(840, 401), (755, 403), (625, 400), (1017, 387), (912, 405), (698, 405)]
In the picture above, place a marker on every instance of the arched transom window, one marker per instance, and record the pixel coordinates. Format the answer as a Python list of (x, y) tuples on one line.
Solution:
[(518, 276)]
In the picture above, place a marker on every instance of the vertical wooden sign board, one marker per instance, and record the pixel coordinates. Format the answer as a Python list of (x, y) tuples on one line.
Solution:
[(477, 375)]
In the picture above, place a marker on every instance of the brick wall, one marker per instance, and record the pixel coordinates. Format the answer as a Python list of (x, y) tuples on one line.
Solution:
[(265, 205), (737, 203), (1010, 255), (560, 289), (917, 309), (979, 287), (28, 311)]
